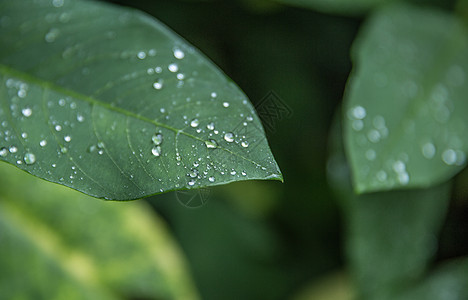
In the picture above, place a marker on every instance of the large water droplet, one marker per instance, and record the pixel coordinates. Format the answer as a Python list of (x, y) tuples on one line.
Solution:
[(3, 152), (179, 54), (211, 144), (194, 123), (156, 151), (229, 137), (27, 112), (158, 84), (157, 138), (29, 158)]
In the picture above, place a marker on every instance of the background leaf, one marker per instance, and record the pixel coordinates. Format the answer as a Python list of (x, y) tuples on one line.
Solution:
[(60, 244), (405, 110), (348, 7), (390, 236), (108, 101)]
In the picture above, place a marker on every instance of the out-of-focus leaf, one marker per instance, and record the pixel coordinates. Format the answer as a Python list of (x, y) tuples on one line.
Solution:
[(346, 7), (390, 236), (56, 243), (406, 102), (110, 102), (448, 282), (336, 286)]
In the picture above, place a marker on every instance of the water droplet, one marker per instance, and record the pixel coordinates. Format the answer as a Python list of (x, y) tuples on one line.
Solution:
[(150, 71), (229, 137), (156, 151), (179, 54), (233, 172), (449, 156), (244, 144), (43, 143), (141, 55), (358, 112), (370, 154), (3, 152), (158, 84), (399, 166), (61, 102), (67, 138), (180, 76), (212, 179), (57, 3), (13, 149), (381, 175), (51, 35), (157, 139), (27, 112), (158, 70), (152, 52), (373, 136), (173, 68), (211, 144), (64, 150), (191, 182), (193, 173), (21, 93), (428, 150), (194, 123), (58, 128), (29, 158), (403, 178), (249, 118), (210, 126), (244, 173), (226, 104), (357, 125), (162, 110), (80, 118), (214, 95)]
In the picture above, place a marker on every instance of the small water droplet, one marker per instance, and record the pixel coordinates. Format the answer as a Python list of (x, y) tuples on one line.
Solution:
[(158, 70), (13, 149), (212, 179), (399, 166), (80, 118), (249, 118), (29, 158), (157, 138), (43, 143), (244, 144), (27, 112), (373, 136), (179, 54), (158, 84), (210, 126), (381, 175), (67, 138), (173, 68), (180, 76), (449, 156), (229, 137), (191, 182), (21, 93), (370, 154), (141, 55), (3, 152), (214, 95), (244, 173), (64, 150), (193, 173), (357, 125), (156, 151), (358, 112), (233, 172), (428, 150), (211, 144), (194, 123), (58, 128), (226, 104)]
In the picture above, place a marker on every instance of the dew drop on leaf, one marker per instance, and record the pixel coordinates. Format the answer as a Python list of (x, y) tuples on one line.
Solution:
[(229, 137), (194, 123), (29, 158), (27, 112), (211, 144), (156, 151), (157, 139)]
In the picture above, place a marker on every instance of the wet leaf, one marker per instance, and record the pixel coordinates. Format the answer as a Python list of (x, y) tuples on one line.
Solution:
[(405, 107), (110, 102), (345, 7), (60, 244)]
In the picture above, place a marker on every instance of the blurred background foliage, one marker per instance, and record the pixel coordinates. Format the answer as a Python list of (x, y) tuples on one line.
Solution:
[(264, 240), (267, 240)]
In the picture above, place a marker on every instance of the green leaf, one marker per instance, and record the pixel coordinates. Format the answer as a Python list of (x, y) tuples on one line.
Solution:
[(390, 236), (345, 7), (447, 282), (405, 108), (60, 244), (108, 101)]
